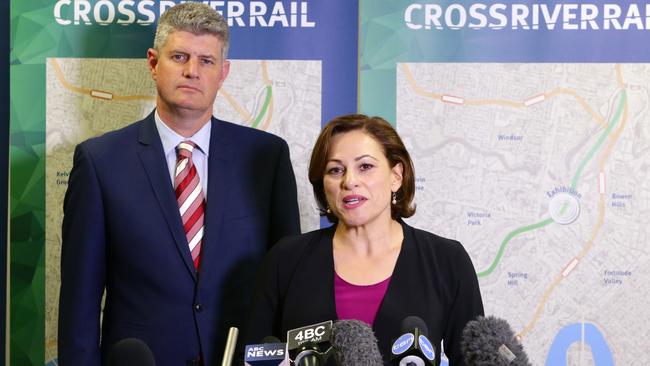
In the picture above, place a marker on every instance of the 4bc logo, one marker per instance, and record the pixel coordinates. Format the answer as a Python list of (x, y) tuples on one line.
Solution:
[(312, 333)]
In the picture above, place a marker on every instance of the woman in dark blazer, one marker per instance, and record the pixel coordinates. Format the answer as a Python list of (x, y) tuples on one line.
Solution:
[(369, 265)]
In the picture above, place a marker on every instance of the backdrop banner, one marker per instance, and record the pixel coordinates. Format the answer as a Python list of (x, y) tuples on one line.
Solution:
[(78, 69), (528, 125)]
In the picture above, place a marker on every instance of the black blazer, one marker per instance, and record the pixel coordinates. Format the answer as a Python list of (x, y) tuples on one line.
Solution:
[(433, 279), (122, 232)]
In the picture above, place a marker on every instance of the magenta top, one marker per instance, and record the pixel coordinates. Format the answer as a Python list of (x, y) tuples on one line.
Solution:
[(360, 302)]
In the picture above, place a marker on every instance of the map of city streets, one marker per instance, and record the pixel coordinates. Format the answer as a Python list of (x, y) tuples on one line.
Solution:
[(542, 171)]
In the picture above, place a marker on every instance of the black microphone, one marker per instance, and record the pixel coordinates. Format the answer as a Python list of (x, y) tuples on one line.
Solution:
[(491, 341), (354, 343), (413, 348), (130, 352), (271, 352), (310, 345)]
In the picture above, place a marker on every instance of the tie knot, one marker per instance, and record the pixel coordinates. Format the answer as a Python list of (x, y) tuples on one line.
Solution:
[(185, 149)]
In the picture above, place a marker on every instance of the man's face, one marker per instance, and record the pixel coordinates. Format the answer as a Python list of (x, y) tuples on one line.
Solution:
[(189, 70)]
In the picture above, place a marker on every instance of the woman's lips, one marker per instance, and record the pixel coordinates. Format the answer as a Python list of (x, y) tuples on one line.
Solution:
[(353, 201)]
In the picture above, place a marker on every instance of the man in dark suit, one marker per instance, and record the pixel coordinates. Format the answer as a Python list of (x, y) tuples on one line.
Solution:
[(172, 214)]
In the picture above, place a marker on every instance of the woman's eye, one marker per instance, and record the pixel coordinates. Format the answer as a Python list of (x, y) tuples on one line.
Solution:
[(334, 170), (366, 166)]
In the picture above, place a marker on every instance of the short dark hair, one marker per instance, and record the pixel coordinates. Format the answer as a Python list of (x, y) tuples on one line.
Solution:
[(382, 132), (196, 18)]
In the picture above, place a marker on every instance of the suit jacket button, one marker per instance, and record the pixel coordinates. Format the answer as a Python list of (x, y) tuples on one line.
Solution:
[(198, 307)]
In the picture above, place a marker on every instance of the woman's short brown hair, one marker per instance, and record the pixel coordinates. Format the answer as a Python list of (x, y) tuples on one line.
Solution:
[(382, 132)]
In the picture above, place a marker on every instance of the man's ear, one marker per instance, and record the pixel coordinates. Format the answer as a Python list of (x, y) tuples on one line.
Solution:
[(225, 70), (152, 61)]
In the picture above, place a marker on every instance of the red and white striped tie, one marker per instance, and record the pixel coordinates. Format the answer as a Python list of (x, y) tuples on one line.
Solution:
[(190, 197)]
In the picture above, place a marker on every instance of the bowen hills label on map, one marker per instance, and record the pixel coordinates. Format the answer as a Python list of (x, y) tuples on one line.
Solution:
[(615, 277), (621, 200)]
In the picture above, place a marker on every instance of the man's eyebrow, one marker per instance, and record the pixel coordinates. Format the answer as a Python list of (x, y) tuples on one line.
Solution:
[(206, 55)]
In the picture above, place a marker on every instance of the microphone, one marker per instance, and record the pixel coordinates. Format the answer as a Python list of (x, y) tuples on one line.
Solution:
[(131, 352), (413, 348), (310, 345), (354, 343), (491, 341), (231, 343), (271, 352)]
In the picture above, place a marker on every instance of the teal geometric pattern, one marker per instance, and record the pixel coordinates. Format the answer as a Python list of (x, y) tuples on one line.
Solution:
[(384, 41), (35, 36)]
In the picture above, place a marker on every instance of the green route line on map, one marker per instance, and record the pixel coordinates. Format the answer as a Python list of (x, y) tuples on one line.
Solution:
[(574, 182), (265, 106), (507, 239), (592, 152)]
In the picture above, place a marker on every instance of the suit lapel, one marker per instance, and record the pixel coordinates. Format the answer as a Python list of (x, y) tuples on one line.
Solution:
[(398, 300), (220, 175), (324, 264), (152, 157)]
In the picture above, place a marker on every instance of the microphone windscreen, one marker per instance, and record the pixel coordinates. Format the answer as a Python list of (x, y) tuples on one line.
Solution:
[(413, 321), (491, 341), (354, 343), (131, 352)]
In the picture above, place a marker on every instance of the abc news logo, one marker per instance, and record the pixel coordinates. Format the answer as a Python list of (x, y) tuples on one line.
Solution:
[(263, 351)]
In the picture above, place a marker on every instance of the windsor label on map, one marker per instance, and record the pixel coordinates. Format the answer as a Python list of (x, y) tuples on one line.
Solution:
[(542, 171), (88, 97)]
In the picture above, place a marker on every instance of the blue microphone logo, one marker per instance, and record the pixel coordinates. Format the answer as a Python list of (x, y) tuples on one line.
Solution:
[(426, 347), (403, 343)]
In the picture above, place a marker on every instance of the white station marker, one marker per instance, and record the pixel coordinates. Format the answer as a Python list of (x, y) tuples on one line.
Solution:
[(601, 182), (570, 267), (452, 99), (101, 94), (534, 100)]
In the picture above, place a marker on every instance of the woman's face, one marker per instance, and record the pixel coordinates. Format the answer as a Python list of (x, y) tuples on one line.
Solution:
[(358, 179)]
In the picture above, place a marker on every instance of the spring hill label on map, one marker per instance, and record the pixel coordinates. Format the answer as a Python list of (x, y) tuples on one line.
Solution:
[(564, 207), (515, 277)]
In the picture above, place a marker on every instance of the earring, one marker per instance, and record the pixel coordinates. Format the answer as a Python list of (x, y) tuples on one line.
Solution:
[(394, 198), (328, 209)]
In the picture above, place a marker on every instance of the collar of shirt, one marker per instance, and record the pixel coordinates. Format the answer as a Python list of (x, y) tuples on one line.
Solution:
[(170, 139)]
